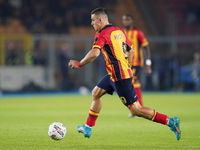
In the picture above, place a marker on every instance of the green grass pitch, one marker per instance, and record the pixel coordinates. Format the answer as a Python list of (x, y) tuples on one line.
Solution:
[(24, 122)]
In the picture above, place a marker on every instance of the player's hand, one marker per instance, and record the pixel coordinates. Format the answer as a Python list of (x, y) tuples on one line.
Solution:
[(73, 64), (148, 70)]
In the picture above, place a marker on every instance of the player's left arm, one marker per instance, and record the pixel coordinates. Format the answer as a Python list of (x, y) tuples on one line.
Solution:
[(148, 60), (146, 48), (130, 54), (89, 57), (129, 49)]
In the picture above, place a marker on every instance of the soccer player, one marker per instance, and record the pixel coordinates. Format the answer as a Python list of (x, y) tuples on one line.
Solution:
[(137, 38), (117, 52)]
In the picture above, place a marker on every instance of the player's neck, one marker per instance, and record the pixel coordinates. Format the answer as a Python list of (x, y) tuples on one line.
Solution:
[(129, 28), (105, 24)]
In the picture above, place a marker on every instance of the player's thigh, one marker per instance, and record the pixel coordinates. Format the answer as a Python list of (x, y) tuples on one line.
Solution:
[(106, 85), (126, 92)]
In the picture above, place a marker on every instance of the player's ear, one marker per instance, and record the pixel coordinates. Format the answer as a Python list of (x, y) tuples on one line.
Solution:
[(100, 19)]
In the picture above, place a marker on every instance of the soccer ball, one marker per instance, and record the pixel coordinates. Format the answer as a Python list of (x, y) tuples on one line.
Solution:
[(57, 131)]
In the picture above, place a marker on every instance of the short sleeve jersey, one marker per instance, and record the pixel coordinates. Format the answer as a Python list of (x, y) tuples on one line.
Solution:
[(114, 44), (138, 40)]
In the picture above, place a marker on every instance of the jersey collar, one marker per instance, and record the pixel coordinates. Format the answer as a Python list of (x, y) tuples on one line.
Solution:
[(107, 26)]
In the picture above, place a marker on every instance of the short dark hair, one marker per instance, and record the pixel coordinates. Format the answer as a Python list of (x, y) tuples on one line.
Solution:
[(129, 15), (98, 11)]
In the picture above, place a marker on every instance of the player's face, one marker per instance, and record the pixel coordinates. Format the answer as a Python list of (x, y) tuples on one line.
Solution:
[(127, 22), (96, 22)]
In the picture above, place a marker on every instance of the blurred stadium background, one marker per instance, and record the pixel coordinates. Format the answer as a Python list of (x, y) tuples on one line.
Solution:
[(39, 37)]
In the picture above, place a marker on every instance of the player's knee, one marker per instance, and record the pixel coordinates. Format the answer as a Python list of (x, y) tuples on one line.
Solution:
[(136, 110), (95, 93)]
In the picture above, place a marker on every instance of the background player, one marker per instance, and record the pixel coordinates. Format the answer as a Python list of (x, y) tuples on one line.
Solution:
[(117, 52), (137, 38)]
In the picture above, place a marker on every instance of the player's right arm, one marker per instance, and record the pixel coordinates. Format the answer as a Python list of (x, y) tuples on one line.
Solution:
[(129, 49), (91, 55)]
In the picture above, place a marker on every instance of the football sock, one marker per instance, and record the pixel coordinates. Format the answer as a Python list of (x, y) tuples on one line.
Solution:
[(139, 95), (168, 122), (160, 118), (88, 126), (92, 117)]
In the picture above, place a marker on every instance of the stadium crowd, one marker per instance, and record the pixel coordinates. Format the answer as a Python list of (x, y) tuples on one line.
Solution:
[(50, 16)]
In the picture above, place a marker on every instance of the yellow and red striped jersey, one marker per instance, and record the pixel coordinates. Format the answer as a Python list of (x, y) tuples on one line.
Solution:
[(138, 39), (114, 44)]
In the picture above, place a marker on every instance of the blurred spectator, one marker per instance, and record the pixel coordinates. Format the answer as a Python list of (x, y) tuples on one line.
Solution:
[(60, 25), (29, 58), (5, 11), (12, 58), (196, 71), (162, 67), (174, 70), (192, 13), (64, 59), (38, 58)]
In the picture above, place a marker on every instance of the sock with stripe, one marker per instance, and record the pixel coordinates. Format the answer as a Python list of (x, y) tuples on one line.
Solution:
[(139, 95), (160, 118), (92, 117)]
